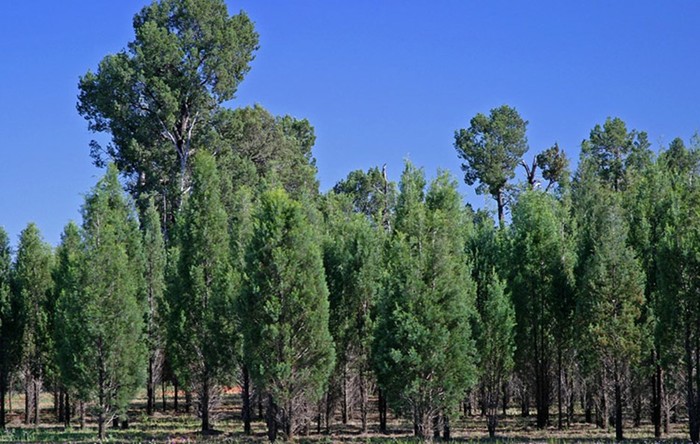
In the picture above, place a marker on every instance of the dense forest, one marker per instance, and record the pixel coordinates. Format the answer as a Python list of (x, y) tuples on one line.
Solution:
[(207, 258)]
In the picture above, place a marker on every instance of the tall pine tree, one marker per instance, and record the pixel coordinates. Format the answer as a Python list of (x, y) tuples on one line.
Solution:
[(284, 311)]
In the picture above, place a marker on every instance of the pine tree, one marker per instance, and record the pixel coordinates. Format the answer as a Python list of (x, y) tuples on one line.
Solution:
[(611, 307), (33, 285), (541, 276), (106, 316), (424, 351), (496, 346), (678, 273), (284, 311), (9, 324), (202, 304), (68, 285), (154, 279), (351, 257)]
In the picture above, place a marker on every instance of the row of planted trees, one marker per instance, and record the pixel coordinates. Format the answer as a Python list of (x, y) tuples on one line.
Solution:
[(228, 267), (319, 303)]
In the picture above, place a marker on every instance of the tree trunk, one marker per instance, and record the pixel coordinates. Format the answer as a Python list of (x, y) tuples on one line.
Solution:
[(618, 412), (271, 419), (175, 395), (27, 399), (66, 410), (656, 396), (245, 409), (382, 411), (693, 425), (446, 428), (344, 407), (82, 415), (37, 399), (501, 208), (436, 426), (162, 394), (205, 404), (3, 390), (150, 388), (559, 393), (363, 401)]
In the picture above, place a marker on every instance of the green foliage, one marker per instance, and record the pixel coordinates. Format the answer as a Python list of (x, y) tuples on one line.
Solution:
[(254, 145), (203, 300), (613, 151), (424, 351), (70, 343), (33, 285), (284, 309), (491, 148), (156, 99), (496, 345), (371, 193), (542, 287), (103, 349)]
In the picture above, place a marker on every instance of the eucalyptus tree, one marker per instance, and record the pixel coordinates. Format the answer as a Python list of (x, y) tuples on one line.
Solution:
[(284, 311), (33, 284), (492, 147), (424, 350), (202, 303), (156, 98)]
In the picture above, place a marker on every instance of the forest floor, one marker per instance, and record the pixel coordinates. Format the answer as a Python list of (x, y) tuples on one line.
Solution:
[(171, 427)]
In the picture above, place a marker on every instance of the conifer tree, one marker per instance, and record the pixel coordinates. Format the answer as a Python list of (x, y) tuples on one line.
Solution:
[(154, 280), (351, 259), (424, 351), (611, 307), (33, 284), (678, 273), (541, 276), (287, 344), (202, 304), (68, 284), (9, 324), (104, 319), (496, 346)]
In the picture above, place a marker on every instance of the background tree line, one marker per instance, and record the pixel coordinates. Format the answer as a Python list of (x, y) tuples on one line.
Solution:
[(223, 264)]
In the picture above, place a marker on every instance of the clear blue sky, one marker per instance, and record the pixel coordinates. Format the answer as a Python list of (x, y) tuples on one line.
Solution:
[(380, 81)]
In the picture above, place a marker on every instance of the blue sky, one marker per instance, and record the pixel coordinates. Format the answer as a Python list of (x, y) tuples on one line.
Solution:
[(381, 81)]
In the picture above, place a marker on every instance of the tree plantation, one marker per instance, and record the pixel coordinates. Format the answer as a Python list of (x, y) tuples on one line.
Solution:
[(210, 277)]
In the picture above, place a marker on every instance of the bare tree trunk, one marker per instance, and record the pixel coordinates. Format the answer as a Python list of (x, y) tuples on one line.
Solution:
[(162, 392), (82, 415), (205, 404), (618, 411), (363, 401), (66, 409), (175, 394), (37, 399), (245, 409), (271, 419), (150, 388), (344, 408), (382, 411)]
